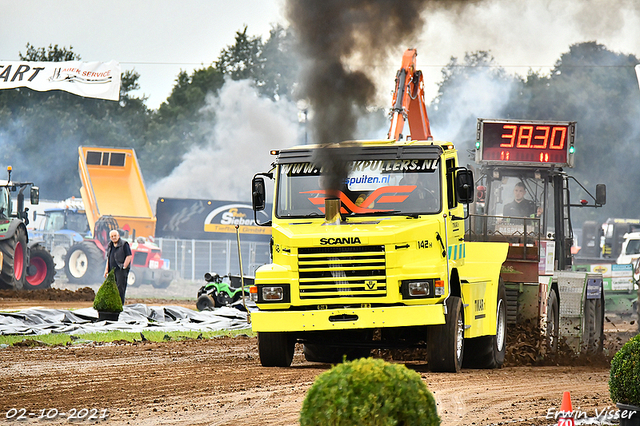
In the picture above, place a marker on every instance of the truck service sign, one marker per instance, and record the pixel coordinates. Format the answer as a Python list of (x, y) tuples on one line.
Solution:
[(88, 79), (209, 220)]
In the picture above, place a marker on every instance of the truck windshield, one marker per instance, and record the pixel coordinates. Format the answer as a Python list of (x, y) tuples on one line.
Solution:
[(412, 188)]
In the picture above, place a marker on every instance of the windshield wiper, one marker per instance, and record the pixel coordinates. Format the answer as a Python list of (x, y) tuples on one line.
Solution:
[(376, 212)]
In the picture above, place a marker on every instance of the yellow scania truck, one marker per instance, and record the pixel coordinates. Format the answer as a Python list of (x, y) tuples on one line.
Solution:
[(371, 248)]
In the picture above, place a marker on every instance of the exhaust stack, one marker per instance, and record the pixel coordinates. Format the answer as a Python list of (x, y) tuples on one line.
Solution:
[(332, 211)]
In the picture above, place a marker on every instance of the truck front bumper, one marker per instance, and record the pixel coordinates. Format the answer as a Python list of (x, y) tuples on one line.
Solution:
[(347, 318)]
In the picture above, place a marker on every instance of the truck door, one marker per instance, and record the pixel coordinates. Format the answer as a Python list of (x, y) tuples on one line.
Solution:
[(455, 227)]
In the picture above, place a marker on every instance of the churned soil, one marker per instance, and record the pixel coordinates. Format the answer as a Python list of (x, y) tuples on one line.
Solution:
[(221, 382)]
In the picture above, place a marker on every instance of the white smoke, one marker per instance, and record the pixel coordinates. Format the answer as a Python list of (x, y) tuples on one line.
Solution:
[(247, 127), (522, 35), (481, 95)]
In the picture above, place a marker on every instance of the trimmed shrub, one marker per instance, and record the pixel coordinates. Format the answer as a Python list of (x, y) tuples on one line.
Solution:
[(108, 298), (624, 377), (369, 391)]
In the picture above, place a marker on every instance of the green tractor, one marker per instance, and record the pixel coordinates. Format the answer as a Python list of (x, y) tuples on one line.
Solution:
[(25, 265)]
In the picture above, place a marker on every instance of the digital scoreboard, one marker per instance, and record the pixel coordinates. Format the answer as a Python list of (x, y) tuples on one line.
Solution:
[(525, 143)]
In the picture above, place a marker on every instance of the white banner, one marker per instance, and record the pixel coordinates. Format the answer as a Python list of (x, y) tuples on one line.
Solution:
[(89, 79)]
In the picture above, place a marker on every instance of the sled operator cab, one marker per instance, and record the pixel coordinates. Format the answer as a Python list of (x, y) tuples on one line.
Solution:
[(524, 199)]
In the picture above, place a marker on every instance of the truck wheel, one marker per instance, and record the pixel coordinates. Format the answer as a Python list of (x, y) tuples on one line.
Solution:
[(592, 327), (43, 269), (132, 280), (445, 343), (276, 349), (161, 283), (205, 303), (14, 265), (331, 354), (489, 351), (553, 323), (84, 264)]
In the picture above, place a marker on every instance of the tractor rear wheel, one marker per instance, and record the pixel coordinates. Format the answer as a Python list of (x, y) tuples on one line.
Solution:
[(276, 348), (14, 260), (553, 324), (445, 343), (42, 269), (84, 264), (592, 328)]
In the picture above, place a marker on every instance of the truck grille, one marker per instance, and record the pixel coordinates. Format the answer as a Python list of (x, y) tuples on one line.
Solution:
[(330, 272)]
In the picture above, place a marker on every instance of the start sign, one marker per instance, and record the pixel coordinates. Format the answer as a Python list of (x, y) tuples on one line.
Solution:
[(518, 142)]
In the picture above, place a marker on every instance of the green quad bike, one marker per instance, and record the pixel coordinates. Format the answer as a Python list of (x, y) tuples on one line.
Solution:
[(217, 292), (26, 265)]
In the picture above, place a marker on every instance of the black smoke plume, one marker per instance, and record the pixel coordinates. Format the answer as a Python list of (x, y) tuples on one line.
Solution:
[(333, 33)]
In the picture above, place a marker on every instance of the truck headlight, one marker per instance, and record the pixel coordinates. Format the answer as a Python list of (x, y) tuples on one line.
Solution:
[(416, 289), (270, 293), (419, 289)]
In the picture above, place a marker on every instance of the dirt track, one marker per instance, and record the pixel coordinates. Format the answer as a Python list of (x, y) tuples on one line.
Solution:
[(221, 382)]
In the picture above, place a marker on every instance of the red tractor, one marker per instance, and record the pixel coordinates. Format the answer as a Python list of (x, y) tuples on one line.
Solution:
[(85, 261)]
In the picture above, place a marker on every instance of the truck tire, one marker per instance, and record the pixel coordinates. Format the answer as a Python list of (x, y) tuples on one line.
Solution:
[(132, 279), (84, 264), (331, 354), (161, 283), (276, 348), (592, 327), (553, 323), (43, 269), (489, 351), (14, 263), (205, 303), (445, 343)]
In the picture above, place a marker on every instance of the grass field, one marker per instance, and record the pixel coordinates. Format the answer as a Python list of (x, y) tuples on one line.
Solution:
[(115, 336)]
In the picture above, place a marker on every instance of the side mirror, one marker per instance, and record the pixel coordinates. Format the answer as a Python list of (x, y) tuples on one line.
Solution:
[(35, 195), (258, 193), (601, 194), (464, 186)]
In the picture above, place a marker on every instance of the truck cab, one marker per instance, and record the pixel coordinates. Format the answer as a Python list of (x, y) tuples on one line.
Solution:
[(372, 254)]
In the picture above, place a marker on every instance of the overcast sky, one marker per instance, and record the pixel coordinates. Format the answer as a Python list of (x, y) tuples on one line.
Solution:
[(159, 38)]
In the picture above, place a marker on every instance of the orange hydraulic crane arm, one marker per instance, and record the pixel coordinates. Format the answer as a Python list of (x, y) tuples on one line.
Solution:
[(408, 101)]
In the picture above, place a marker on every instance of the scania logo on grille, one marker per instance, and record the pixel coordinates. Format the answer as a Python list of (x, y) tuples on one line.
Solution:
[(370, 284), (334, 241)]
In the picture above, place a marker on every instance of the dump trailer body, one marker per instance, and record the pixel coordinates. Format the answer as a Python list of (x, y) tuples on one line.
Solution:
[(112, 185)]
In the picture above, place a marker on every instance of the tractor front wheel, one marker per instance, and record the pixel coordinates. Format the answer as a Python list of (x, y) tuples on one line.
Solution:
[(42, 269), (84, 264)]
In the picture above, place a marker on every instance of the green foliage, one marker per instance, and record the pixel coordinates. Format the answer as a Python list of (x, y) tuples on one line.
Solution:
[(597, 88), (117, 335), (369, 392), (108, 298), (624, 377), (241, 60), (51, 54)]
